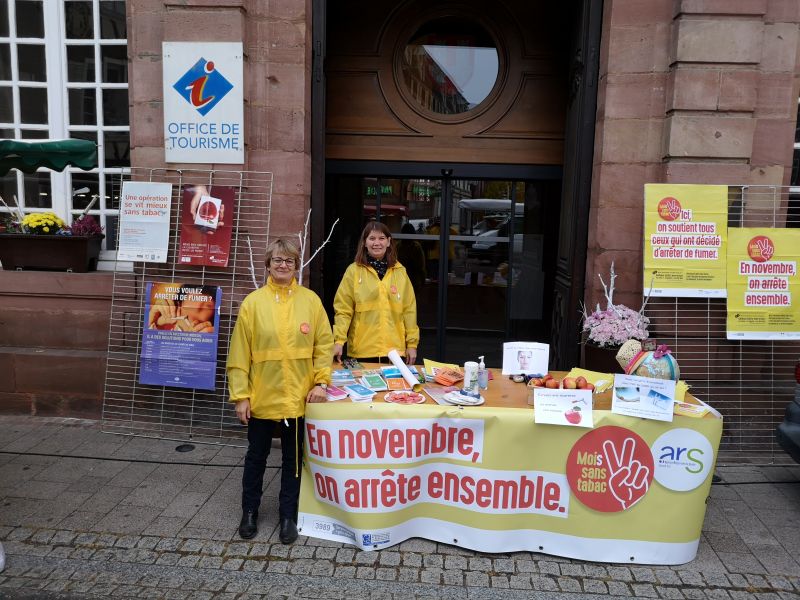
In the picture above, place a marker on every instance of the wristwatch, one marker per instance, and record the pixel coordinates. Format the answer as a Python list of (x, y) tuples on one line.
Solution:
[(324, 386)]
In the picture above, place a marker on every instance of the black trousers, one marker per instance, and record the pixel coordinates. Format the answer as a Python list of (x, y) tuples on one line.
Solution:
[(259, 438)]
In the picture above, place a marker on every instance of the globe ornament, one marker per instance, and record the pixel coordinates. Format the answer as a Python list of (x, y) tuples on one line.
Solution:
[(657, 364)]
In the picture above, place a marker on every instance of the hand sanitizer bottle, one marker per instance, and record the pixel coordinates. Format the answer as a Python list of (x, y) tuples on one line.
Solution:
[(483, 375)]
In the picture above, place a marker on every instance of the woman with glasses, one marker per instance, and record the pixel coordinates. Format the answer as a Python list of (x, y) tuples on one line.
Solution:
[(279, 359), (375, 306)]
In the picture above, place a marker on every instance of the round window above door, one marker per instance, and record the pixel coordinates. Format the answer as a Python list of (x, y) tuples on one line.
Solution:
[(448, 68)]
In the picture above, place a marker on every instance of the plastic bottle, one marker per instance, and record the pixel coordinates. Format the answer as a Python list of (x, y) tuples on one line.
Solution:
[(470, 379), (483, 375)]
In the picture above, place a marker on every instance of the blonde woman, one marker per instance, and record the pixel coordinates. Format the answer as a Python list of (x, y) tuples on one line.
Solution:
[(279, 359)]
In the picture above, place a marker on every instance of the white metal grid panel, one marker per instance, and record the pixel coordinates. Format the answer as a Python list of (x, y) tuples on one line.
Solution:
[(170, 412), (749, 382)]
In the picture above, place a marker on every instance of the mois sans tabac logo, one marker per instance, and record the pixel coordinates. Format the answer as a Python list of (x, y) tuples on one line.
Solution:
[(203, 86)]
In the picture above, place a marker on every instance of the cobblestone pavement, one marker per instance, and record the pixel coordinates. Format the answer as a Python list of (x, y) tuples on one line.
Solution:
[(85, 514)]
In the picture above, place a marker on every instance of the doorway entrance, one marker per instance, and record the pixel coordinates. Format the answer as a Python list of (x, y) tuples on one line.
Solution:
[(480, 252)]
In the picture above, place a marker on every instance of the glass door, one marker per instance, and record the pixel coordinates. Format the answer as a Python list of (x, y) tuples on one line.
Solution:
[(488, 284)]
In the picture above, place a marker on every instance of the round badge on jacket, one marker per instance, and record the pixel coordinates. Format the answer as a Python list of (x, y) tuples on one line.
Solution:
[(394, 289), (305, 328)]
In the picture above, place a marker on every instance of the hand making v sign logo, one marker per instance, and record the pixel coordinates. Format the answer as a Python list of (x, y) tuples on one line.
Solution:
[(610, 469)]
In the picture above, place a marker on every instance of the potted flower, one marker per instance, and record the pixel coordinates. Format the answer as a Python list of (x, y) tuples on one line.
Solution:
[(605, 330), (43, 241)]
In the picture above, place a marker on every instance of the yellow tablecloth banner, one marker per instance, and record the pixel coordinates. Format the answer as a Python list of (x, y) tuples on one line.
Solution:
[(489, 479)]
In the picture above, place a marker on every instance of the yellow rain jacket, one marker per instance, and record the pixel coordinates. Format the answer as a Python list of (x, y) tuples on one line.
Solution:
[(373, 315), (280, 348)]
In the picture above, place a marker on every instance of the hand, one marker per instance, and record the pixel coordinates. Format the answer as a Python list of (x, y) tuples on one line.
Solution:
[(628, 482), (411, 356), (243, 410), (317, 394), (161, 314), (337, 352)]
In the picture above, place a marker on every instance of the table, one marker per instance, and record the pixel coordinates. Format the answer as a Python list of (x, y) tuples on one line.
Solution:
[(490, 479)]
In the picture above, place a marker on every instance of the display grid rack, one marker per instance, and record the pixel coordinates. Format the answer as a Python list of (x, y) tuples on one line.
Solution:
[(170, 412), (749, 382)]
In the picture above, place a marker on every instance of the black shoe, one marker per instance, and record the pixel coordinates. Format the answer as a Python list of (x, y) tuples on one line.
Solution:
[(248, 527), (288, 532)]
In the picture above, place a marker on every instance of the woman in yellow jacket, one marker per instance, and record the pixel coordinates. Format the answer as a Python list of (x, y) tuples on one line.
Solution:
[(279, 359), (375, 307)]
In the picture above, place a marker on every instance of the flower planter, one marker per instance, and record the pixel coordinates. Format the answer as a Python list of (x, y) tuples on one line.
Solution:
[(599, 359), (49, 252)]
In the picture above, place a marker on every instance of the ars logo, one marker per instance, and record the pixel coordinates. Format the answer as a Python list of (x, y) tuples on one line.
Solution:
[(760, 248), (203, 86), (683, 459)]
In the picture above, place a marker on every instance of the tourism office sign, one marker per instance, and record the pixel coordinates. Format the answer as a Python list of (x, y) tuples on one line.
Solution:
[(203, 102)]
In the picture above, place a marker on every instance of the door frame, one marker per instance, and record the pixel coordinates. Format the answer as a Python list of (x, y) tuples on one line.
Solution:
[(446, 172)]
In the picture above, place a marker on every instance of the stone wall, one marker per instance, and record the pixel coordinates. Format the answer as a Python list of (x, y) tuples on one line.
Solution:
[(691, 91), (54, 342), (277, 93)]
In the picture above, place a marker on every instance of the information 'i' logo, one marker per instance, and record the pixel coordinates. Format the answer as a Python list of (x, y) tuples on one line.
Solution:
[(203, 86)]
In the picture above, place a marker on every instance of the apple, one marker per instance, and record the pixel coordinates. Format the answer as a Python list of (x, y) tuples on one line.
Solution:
[(581, 382), (536, 382), (547, 377), (552, 383), (569, 383), (573, 415), (588, 386)]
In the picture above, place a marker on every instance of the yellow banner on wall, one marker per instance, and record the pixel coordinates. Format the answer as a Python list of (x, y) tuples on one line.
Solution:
[(685, 230), (763, 285), (628, 490)]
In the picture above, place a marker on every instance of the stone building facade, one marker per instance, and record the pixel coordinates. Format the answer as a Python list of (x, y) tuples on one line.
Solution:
[(686, 91)]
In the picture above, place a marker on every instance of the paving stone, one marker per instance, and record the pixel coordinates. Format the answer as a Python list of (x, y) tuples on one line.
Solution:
[(233, 564), (62, 537), (386, 574), (716, 579), (20, 534), (390, 559), (237, 549), (691, 578), (756, 581), (500, 581), (666, 577), (61, 552), (476, 579), (594, 586), (778, 582), (189, 560), (127, 541), (693, 593), (618, 588), (278, 566), (407, 574), (214, 548), (345, 572), (547, 567), (453, 577), (365, 572), (432, 575), (168, 544), (279, 550), (412, 559), (302, 552), (504, 565), (345, 555), (418, 545), (520, 582), (568, 584), (572, 569), (433, 561), (644, 590), (643, 574)]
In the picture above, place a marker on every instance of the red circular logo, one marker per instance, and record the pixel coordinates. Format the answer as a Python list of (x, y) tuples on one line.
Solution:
[(305, 328), (760, 248), (610, 469), (394, 289), (669, 208)]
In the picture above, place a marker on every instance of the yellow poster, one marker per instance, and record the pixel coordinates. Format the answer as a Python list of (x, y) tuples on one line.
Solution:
[(628, 490), (685, 230), (763, 284)]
